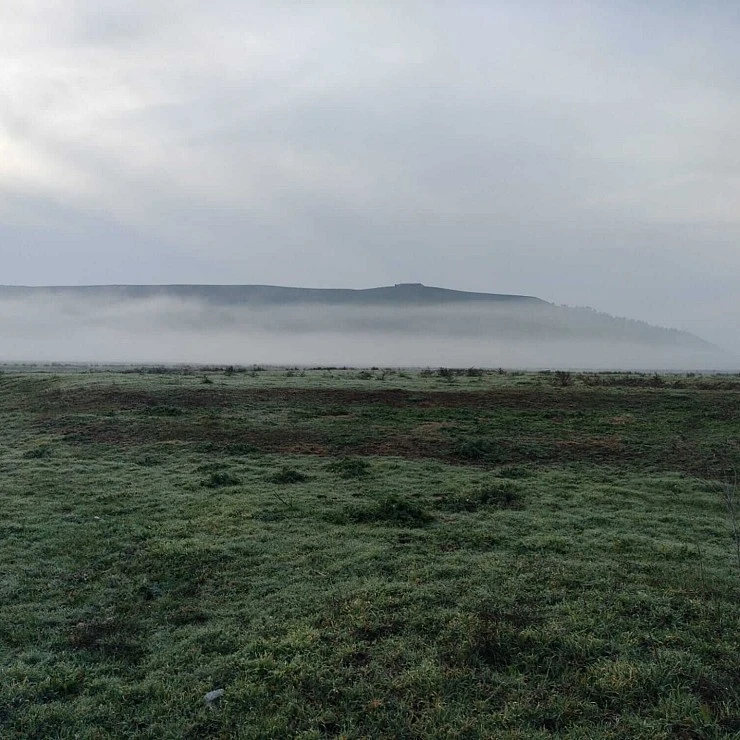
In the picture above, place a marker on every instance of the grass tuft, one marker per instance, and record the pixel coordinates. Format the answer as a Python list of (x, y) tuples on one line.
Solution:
[(515, 472), (391, 509), (478, 449), (288, 475), (350, 467), (164, 410), (112, 637), (220, 479), (504, 495), (40, 452)]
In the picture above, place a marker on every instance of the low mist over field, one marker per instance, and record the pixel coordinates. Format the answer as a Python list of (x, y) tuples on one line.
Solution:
[(403, 326)]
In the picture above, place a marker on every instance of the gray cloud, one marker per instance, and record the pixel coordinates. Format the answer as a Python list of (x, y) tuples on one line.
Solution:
[(588, 153)]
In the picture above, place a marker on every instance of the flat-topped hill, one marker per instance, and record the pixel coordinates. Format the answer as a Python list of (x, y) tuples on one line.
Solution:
[(401, 293)]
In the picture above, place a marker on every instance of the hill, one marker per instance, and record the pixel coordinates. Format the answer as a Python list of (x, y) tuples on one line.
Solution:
[(232, 295)]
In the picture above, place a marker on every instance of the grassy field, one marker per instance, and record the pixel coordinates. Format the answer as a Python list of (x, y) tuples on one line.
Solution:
[(368, 554)]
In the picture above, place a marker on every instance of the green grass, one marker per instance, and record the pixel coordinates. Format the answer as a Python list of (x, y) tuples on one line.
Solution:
[(367, 554)]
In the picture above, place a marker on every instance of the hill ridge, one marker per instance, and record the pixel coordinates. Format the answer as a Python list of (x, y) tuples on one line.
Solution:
[(400, 292)]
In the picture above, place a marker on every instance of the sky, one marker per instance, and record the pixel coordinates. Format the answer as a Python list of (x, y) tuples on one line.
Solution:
[(587, 153)]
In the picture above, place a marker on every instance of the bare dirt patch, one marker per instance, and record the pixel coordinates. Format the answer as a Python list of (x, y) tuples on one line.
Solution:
[(113, 398)]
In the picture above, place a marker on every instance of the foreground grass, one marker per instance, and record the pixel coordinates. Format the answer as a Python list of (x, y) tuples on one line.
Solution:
[(367, 557)]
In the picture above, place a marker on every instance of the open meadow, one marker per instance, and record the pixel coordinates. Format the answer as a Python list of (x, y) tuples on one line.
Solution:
[(368, 554)]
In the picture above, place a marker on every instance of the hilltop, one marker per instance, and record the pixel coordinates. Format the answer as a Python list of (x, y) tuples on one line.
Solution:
[(401, 293)]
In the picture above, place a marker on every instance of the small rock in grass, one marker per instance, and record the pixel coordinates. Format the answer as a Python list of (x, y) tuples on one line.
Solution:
[(213, 696)]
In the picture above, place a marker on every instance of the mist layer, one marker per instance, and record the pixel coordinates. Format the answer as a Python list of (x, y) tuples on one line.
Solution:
[(53, 328)]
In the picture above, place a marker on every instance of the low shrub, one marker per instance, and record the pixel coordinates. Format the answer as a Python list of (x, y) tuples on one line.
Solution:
[(563, 378)]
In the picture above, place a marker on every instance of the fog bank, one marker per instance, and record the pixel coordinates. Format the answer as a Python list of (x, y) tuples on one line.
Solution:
[(57, 329)]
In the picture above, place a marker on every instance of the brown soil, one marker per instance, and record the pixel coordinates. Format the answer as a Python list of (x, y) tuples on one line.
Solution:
[(102, 399)]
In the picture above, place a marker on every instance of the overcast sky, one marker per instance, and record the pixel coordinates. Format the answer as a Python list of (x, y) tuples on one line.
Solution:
[(584, 152)]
